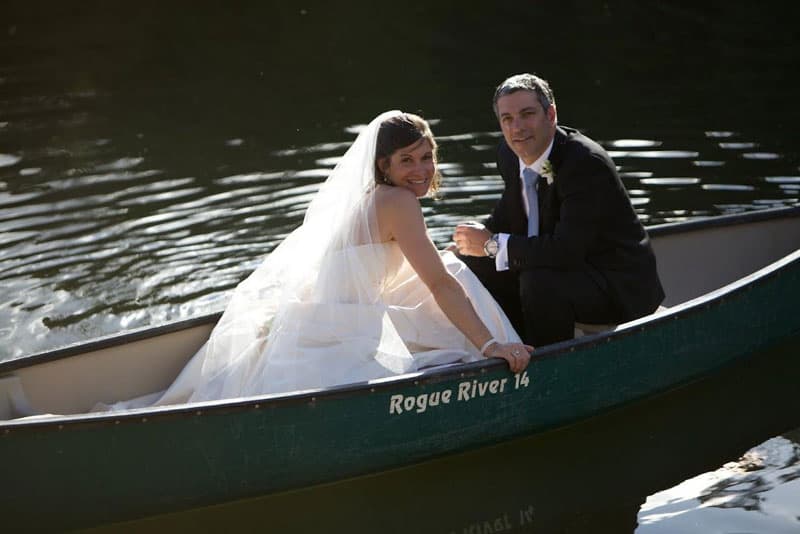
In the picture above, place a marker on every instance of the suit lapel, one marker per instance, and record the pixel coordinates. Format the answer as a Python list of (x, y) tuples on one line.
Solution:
[(548, 197), (557, 153)]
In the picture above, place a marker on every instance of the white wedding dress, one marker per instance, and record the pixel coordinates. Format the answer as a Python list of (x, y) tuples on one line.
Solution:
[(331, 306)]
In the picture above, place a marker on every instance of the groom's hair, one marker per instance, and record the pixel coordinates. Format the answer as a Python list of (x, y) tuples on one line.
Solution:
[(525, 82), (399, 132)]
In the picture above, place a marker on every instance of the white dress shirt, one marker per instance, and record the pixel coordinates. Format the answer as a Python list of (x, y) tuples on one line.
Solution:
[(501, 260)]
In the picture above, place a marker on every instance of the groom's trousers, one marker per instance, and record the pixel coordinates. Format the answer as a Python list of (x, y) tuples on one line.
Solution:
[(543, 304)]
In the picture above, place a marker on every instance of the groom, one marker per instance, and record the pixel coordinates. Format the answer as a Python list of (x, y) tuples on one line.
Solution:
[(563, 244)]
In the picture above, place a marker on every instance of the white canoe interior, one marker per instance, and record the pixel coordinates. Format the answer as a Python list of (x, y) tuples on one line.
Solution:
[(691, 263)]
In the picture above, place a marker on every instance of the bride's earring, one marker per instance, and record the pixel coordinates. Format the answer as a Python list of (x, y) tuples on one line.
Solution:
[(386, 179)]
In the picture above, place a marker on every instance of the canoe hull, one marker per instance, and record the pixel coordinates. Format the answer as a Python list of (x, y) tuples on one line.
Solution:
[(101, 468)]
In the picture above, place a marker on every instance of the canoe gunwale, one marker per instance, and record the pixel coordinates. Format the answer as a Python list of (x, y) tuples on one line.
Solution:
[(719, 221), (678, 312), (105, 342)]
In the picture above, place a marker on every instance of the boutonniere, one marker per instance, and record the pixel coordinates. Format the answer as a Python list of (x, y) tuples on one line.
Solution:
[(547, 172)]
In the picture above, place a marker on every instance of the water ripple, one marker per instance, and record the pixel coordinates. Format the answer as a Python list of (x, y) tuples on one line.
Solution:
[(255, 177), (633, 143), (670, 181), (708, 163), (120, 164), (655, 154), (161, 197), (321, 147), (727, 187), (782, 179), (737, 146), (7, 160), (761, 155), (98, 179), (99, 240), (16, 198), (719, 133)]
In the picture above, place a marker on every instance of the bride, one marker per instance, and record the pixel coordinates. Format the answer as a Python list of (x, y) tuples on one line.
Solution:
[(357, 292)]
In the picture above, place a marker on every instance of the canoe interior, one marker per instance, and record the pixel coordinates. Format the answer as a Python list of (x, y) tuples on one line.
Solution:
[(76, 384), (693, 259), (708, 256)]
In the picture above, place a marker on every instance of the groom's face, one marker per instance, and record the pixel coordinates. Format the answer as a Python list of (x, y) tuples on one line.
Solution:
[(527, 127)]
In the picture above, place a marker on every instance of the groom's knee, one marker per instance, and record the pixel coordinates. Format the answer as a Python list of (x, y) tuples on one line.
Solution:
[(543, 286), (548, 311)]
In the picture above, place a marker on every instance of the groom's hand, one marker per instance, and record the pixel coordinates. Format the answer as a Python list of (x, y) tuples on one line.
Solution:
[(470, 237)]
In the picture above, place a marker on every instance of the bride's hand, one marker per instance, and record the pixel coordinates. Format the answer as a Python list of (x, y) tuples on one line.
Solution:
[(517, 355)]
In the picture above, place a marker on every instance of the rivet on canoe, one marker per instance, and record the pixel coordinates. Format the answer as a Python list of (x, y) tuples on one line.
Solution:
[(256, 406), (198, 412), (61, 427), (372, 390), (416, 382), (144, 419), (116, 422)]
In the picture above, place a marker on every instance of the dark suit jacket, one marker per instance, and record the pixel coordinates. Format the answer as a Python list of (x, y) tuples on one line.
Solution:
[(586, 223)]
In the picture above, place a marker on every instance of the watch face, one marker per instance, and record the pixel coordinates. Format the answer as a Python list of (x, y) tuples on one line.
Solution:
[(491, 247)]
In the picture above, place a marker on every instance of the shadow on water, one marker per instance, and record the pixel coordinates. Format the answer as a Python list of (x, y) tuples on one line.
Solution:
[(589, 477)]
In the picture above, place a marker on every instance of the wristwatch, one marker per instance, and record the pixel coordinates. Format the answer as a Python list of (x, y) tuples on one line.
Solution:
[(492, 246)]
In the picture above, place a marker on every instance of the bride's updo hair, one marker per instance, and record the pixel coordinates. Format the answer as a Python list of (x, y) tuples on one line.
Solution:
[(399, 132)]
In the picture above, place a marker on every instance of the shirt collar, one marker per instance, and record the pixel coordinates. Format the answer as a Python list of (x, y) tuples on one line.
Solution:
[(537, 165)]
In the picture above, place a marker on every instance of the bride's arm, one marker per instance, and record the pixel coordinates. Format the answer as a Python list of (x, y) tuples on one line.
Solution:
[(401, 216)]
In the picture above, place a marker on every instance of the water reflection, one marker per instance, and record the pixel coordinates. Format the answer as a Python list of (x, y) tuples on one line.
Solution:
[(652, 154), (761, 155), (97, 218), (706, 163), (737, 146), (6, 160), (632, 143)]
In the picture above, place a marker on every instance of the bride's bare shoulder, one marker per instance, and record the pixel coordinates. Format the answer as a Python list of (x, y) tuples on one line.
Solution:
[(397, 209), (394, 198)]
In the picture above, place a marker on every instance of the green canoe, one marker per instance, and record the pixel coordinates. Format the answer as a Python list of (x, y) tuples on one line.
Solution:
[(732, 287)]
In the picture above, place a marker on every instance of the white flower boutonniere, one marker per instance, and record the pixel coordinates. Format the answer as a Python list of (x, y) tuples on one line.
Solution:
[(547, 172)]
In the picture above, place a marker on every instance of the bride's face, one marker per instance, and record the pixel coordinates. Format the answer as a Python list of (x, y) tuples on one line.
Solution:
[(412, 167)]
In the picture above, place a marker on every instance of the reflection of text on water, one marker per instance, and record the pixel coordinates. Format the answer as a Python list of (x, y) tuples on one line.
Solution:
[(505, 522)]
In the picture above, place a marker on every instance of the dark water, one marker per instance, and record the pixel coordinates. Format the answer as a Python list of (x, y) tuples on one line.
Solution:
[(151, 154)]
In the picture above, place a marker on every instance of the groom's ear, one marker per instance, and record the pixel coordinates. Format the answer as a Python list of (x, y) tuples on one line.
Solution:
[(551, 113)]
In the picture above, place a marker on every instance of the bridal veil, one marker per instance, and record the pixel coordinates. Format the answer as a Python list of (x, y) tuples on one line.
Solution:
[(299, 320), (331, 304)]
